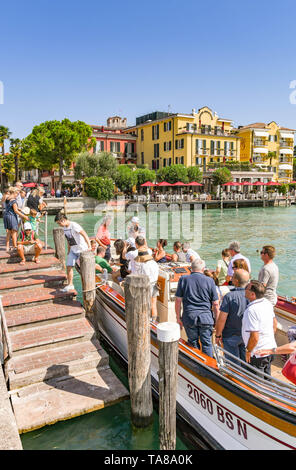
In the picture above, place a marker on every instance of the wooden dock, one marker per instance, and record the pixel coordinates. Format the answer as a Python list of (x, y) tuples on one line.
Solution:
[(58, 369)]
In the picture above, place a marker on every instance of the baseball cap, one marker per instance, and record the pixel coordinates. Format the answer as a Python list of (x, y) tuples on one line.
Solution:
[(135, 220), (27, 226)]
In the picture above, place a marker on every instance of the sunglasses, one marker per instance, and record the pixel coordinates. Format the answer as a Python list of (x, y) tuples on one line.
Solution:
[(262, 252)]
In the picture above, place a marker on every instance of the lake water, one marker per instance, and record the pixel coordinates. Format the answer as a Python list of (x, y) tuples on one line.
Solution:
[(110, 428)]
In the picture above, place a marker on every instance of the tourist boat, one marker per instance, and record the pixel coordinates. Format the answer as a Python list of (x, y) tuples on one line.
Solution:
[(224, 403)]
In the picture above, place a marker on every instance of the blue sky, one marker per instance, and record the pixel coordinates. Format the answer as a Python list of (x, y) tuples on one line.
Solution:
[(91, 59)]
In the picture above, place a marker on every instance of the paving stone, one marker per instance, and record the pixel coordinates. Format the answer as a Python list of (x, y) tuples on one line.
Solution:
[(44, 365), (38, 294), (19, 281), (7, 269), (21, 318), (53, 334), (59, 399)]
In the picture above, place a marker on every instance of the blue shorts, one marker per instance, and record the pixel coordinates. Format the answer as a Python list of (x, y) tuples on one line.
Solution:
[(72, 258)]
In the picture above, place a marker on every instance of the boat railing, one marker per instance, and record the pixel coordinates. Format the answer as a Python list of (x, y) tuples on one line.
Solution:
[(264, 384), (5, 345)]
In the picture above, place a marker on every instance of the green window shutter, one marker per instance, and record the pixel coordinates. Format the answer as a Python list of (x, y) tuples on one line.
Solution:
[(212, 147)]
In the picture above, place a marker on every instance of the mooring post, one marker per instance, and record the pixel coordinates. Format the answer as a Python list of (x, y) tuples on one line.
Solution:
[(168, 335), (138, 310), (59, 243), (88, 281)]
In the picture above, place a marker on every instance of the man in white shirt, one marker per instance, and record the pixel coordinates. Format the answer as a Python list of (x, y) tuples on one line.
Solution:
[(142, 262), (190, 254), (135, 229), (258, 327), (78, 242), (235, 253)]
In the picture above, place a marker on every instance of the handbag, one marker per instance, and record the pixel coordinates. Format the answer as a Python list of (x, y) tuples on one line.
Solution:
[(289, 369)]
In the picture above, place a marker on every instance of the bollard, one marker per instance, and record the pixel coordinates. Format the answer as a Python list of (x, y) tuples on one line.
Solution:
[(168, 335), (59, 243), (138, 310), (88, 281)]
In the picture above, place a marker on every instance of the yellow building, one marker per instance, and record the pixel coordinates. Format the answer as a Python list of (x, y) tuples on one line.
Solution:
[(199, 138), (269, 147)]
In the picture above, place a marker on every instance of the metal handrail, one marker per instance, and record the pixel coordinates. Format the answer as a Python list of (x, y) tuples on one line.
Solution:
[(271, 388), (4, 335)]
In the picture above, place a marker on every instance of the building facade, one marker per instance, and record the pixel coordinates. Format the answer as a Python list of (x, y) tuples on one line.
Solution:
[(269, 147), (112, 138), (199, 138)]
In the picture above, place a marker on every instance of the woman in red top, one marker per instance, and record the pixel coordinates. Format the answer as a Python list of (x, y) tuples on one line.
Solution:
[(103, 236)]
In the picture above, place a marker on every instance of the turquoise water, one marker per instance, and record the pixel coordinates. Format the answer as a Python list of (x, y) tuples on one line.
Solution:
[(110, 428)]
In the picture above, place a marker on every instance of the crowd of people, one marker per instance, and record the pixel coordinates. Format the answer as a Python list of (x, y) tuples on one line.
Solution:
[(22, 214), (225, 301)]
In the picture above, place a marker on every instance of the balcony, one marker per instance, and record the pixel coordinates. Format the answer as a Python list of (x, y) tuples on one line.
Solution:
[(208, 130), (285, 160), (286, 144), (260, 143)]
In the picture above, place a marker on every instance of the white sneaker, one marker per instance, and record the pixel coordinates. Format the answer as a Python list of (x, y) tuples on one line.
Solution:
[(68, 288)]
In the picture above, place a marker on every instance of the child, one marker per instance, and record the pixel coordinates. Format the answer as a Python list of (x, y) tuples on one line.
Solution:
[(28, 244), (34, 219)]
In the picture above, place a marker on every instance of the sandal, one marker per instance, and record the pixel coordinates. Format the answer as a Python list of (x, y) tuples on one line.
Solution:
[(22, 263), (37, 261)]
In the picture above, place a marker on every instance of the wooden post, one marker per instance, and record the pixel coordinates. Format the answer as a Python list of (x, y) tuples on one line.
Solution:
[(65, 205), (59, 243), (88, 280), (168, 335), (138, 310)]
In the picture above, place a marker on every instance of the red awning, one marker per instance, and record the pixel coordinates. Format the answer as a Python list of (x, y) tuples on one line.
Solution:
[(29, 185)]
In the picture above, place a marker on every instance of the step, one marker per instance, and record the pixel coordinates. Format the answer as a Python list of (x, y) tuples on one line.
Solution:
[(50, 336), (67, 397), (7, 269), (23, 298), (45, 365), (12, 257), (31, 316), (52, 278)]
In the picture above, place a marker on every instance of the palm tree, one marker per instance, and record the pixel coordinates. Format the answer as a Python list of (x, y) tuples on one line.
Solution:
[(16, 151), (4, 134)]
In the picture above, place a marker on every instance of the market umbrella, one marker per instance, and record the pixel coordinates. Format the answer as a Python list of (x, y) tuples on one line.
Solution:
[(148, 184), (246, 183), (231, 183), (259, 183), (273, 183), (163, 183), (292, 182), (29, 185), (179, 183), (193, 183)]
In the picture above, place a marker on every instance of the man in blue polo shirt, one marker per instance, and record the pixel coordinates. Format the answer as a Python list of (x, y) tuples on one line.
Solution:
[(198, 294), (229, 324)]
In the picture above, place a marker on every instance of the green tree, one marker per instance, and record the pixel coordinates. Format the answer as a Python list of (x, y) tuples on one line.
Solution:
[(221, 176), (15, 148), (7, 169), (56, 143), (102, 164), (99, 188), (294, 168), (144, 175), (4, 135), (125, 178), (194, 174), (172, 174)]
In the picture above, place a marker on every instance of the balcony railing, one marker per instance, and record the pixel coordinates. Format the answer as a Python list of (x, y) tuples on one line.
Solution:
[(285, 160), (260, 143), (286, 143), (217, 153)]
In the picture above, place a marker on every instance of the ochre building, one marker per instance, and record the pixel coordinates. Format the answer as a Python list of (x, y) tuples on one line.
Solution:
[(269, 147), (199, 138)]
